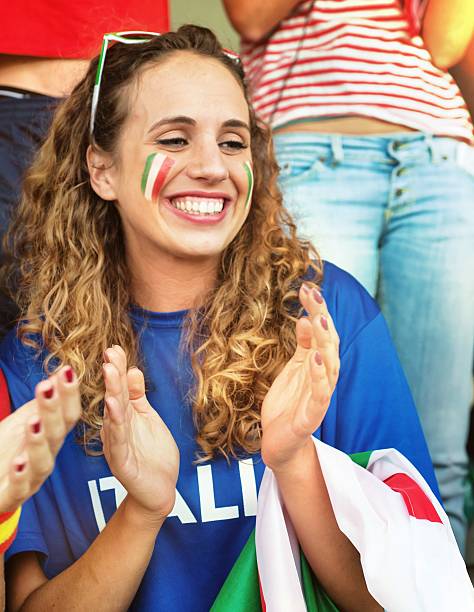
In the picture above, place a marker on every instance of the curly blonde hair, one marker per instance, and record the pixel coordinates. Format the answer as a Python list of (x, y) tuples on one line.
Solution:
[(69, 277)]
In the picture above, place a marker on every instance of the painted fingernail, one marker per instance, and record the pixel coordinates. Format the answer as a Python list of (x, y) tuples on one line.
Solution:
[(48, 393), (324, 323), (19, 467), (318, 359), (306, 288), (36, 427), (317, 296), (69, 374)]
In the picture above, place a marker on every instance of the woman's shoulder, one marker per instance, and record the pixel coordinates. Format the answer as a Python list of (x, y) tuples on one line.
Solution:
[(22, 366), (349, 304)]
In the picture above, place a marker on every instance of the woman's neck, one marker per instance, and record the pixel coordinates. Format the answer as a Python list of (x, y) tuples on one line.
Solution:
[(171, 284)]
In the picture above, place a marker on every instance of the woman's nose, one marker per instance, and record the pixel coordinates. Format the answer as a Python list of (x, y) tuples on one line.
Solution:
[(208, 164)]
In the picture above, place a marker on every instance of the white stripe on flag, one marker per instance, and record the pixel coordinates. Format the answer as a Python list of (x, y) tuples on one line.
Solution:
[(408, 563), (278, 556), (153, 173)]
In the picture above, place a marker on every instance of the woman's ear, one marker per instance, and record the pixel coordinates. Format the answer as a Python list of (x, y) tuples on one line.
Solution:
[(101, 171)]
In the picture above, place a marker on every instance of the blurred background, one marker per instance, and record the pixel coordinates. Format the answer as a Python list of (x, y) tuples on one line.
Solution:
[(209, 13)]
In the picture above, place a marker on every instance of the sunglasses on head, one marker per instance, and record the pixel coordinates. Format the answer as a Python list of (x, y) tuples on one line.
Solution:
[(132, 37)]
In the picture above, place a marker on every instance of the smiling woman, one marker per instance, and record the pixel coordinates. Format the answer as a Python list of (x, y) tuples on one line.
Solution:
[(195, 181), (161, 230)]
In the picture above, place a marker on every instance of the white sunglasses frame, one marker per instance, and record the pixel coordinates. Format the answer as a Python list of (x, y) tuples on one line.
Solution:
[(122, 38)]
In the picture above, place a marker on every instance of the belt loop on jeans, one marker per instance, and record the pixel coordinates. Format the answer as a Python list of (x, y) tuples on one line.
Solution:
[(432, 148), (337, 149)]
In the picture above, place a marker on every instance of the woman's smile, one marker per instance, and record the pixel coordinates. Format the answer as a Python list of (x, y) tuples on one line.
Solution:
[(198, 206)]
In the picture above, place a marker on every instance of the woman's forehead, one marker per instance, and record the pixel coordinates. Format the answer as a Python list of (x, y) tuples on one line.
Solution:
[(187, 84)]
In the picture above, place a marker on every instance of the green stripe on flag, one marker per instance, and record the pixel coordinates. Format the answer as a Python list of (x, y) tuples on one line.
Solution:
[(314, 595), (361, 459), (241, 591), (249, 172), (146, 171)]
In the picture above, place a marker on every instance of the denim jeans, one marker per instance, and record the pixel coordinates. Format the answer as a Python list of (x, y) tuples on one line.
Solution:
[(397, 211)]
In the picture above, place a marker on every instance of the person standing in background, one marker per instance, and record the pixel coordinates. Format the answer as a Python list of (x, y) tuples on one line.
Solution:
[(45, 48), (374, 143)]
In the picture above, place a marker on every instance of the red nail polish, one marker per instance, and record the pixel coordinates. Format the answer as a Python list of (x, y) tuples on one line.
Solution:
[(19, 467), (48, 393), (324, 323), (36, 427), (317, 296), (68, 375), (318, 359)]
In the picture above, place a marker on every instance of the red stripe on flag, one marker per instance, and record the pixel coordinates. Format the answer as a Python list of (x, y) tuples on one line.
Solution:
[(417, 502), (5, 406), (160, 178), (262, 599)]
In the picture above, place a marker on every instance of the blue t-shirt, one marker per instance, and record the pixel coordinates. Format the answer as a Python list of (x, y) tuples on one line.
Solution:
[(215, 507)]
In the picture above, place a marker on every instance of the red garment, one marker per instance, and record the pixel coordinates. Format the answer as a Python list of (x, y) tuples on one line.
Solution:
[(353, 58), (5, 406), (65, 29)]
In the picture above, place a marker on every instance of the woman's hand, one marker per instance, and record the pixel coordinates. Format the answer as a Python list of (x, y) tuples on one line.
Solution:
[(298, 399), (31, 437), (139, 448)]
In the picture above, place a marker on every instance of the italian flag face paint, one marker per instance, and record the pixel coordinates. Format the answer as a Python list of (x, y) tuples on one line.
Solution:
[(154, 175), (249, 172), (381, 502)]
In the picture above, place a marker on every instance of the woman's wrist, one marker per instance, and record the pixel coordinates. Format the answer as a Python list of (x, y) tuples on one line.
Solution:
[(8, 528), (141, 518), (297, 463)]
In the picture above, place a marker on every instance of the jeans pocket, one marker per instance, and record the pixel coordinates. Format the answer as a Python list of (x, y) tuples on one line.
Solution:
[(295, 166)]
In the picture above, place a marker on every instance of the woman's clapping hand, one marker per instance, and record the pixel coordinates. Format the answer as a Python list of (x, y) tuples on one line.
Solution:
[(138, 446), (298, 399)]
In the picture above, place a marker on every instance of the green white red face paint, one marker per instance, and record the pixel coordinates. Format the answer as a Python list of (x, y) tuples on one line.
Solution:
[(156, 170), (249, 172)]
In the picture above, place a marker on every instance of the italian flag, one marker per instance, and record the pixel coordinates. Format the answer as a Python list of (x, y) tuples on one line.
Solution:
[(384, 506), (156, 169)]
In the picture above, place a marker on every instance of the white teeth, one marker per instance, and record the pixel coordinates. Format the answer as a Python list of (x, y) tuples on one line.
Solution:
[(199, 206)]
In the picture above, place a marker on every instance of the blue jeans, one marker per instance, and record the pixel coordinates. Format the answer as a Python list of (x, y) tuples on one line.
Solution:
[(397, 211)]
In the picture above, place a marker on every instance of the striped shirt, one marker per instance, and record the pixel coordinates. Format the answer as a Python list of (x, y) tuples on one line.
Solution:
[(352, 57)]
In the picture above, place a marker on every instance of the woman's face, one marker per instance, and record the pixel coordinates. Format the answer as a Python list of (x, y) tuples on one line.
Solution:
[(183, 179)]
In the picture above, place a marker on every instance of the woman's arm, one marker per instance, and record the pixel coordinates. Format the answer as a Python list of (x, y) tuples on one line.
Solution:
[(254, 20), (447, 30), (293, 408), (106, 577), (143, 456), (463, 73)]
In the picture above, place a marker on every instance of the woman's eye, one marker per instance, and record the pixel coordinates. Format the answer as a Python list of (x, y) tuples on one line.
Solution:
[(233, 145), (172, 142)]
